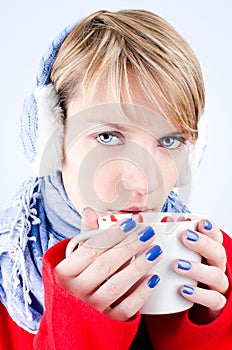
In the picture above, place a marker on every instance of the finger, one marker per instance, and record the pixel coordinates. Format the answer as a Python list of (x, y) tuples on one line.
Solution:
[(86, 254), (212, 250), (121, 282), (89, 220), (111, 261), (88, 224), (212, 276), (89, 230), (134, 301), (209, 298), (210, 229)]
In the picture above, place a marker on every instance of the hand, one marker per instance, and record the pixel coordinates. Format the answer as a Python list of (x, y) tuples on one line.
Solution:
[(207, 241), (101, 273)]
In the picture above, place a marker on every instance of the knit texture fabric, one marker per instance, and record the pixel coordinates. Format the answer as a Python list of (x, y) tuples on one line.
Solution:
[(29, 117)]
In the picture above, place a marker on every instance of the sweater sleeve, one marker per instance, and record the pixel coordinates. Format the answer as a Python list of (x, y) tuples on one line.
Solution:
[(69, 323), (179, 331)]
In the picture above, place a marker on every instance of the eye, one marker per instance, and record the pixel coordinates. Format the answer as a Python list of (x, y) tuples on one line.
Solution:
[(171, 142), (110, 138)]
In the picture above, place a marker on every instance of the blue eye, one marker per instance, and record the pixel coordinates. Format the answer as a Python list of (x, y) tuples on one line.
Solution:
[(109, 138), (171, 142)]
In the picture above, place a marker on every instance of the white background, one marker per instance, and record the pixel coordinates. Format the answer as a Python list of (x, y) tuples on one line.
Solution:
[(26, 29)]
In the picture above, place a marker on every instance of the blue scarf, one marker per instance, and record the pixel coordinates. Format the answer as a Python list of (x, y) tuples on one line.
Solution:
[(41, 216)]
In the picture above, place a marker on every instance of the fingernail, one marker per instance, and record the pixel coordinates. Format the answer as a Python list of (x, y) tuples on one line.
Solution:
[(184, 265), (188, 290), (208, 226), (153, 253), (128, 225), (192, 236), (153, 281), (146, 234)]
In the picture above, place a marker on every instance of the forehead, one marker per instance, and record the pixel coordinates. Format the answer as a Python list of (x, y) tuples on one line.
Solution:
[(136, 111), (128, 116)]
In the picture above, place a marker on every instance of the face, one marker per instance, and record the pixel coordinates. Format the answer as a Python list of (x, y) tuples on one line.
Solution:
[(120, 157)]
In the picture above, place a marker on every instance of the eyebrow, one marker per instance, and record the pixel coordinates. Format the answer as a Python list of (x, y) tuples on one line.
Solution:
[(113, 125), (120, 127), (175, 133)]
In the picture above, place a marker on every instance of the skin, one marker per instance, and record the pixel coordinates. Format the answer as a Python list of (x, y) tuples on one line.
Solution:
[(85, 272)]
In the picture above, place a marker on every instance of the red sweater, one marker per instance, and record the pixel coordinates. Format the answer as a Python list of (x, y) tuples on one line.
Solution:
[(68, 323)]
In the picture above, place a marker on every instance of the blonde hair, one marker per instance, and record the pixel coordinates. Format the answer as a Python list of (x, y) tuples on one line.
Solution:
[(107, 46)]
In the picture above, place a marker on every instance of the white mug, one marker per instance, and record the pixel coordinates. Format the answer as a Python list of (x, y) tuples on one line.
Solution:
[(166, 298)]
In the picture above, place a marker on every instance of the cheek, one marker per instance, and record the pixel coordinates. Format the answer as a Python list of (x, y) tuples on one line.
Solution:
[(73, 165), (170, 177), (77, 158), (107, 179), (171, 165)]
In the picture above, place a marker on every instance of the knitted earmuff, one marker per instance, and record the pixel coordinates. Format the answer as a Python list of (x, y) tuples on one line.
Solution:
[(42, 119), (42, 123)]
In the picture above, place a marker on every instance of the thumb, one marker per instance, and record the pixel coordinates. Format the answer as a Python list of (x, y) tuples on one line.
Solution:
[(89, 220)]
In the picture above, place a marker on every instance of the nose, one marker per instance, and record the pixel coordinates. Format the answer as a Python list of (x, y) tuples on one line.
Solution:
[(142, 175)]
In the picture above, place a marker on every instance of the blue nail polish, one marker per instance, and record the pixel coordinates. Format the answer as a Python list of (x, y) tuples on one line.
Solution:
[(153, 281), (128, 225), (192, 236), (146, 234), (184, 265), (153, 253), (208, 226), (188, 290)]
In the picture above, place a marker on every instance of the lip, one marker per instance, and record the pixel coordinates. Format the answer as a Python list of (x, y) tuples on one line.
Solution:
[(135, 210)]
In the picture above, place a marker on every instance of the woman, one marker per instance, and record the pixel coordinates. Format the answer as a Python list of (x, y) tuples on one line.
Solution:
[(116, 114)]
